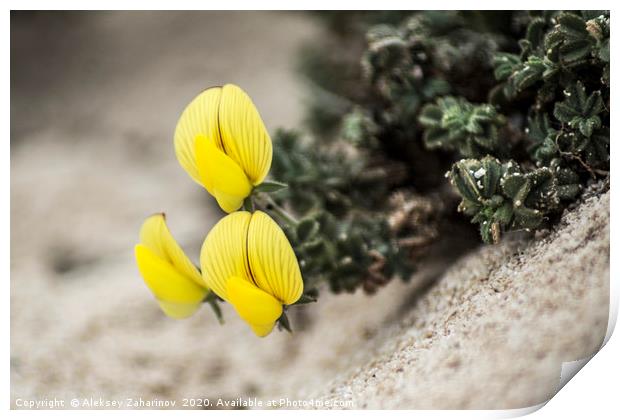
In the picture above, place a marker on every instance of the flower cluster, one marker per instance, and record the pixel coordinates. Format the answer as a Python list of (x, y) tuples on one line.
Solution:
[(246, 259)]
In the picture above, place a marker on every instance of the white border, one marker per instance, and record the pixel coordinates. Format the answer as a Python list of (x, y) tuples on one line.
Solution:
[(593, 393)]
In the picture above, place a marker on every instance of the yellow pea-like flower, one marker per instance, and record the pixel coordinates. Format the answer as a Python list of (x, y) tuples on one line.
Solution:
[(167, 271), (247, 261), (222, 143)]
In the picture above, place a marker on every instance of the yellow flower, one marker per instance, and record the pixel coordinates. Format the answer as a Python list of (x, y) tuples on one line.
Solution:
[(222, 143), (247, 261), (171, 276)]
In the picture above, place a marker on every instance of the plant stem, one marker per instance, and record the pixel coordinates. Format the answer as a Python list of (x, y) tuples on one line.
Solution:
[(271, 205), (248, 204)]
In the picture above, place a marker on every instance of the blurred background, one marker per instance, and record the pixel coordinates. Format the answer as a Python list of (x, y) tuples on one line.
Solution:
[(94, 101)]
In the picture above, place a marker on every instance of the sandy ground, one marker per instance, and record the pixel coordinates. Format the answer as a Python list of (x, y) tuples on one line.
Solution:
[(94, 104), (494, 330)]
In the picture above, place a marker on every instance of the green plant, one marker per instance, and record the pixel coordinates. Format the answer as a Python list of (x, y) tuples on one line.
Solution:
[(512, 106), (347, 236), (457, 125), (501, 196), (559, 84)]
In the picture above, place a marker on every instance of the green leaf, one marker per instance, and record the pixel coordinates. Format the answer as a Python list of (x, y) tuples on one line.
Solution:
[(587, 126), (456, 124), (530, 73), (430, 116), (516, 187), (212, 300), (504, 65), (576, 50), (270, 186), (486, 232), (489, 176), (563, 112), (527, 218), (593, 105), (284, 323), (535, 32), (461, 178), (305, 299), (504, 214), (248, 204), (572, 25)]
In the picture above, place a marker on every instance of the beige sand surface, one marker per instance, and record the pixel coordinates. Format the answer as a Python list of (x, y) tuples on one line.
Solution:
[(494, 331), (94, 103)]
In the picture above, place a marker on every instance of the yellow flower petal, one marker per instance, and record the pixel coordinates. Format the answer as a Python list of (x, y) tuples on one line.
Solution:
[(155, 235), (151, 234), (223, 254), (262, 330), (221, 176), (200, 117), (178, 310), (257, 308), (244, 136), (179, 296), (273, 264)]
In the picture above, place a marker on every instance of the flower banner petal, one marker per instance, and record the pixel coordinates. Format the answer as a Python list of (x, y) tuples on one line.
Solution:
[(155, 235), (244, 136), (222, 177), (273, 263), (200, 117), (223, 254), (151, 234), (257, 308)]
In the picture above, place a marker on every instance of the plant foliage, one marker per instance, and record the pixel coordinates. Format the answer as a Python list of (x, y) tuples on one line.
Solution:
[(513, 107)]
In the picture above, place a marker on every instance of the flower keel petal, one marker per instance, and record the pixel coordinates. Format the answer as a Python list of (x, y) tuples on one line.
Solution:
[(257, 308), (178, 295), (221, 176)]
